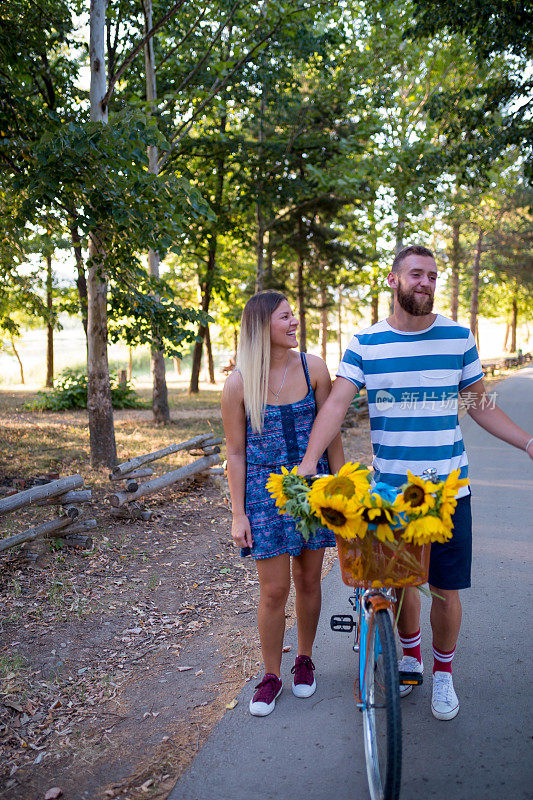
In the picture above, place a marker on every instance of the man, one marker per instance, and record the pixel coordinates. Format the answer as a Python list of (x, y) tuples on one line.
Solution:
[(414, 365)]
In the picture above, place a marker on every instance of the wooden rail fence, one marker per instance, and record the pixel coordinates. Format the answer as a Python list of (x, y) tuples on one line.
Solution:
[(65, 493), (133, 472), (68, 494)]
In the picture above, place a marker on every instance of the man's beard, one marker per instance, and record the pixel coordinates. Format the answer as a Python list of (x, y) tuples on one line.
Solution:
[(410, 302)]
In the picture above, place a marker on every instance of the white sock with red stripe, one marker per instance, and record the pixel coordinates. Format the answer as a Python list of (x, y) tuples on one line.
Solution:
[(411, 645), (442, 660)]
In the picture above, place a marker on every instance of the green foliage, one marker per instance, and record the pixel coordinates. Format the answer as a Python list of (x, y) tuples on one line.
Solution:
[(344, 128), (483, 119), (491, 26), (70, 392), (144, 311)]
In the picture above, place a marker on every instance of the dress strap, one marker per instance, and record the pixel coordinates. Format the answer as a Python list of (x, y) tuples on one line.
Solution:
[(306, 371)]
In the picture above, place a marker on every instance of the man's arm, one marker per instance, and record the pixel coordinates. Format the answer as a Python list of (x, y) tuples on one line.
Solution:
[(321, 382), (496, 421), (327, 424)]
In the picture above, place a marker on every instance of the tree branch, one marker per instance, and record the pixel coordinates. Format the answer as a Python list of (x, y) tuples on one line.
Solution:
[(202, 61), (302, 206), (216, 87), (127, 61), (183, 40)]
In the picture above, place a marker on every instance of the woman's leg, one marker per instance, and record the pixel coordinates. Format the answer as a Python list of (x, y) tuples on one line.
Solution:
[(306, 574), (274, 583)]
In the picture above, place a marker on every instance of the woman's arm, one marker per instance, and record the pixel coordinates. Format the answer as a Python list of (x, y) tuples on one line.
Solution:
[(234, 421), (321, 382)]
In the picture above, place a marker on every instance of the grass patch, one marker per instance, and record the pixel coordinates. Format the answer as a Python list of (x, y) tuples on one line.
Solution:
[(12, 663)]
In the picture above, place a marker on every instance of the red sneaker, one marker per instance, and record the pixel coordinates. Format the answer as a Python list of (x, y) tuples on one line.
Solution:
[(304, 684), (264, 700)]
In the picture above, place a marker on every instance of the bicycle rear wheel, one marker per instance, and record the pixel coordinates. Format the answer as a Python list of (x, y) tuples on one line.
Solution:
[(382, 722)]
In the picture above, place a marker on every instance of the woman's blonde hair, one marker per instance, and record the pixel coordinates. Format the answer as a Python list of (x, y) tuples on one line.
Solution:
[(253, 353)]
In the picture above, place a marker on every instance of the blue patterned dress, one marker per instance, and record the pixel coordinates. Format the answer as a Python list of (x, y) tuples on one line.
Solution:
[(283, 442)]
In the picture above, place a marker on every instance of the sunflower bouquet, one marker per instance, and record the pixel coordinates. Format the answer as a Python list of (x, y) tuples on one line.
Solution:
[(383, 533)]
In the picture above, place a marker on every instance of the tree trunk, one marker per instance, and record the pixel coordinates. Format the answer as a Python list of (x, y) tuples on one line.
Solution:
[(207, 284), (374, 299), (339, 323), (81, 281), (177, 365), (260, 247), (474, 299), (194, 387), (323, 324), (301, 305), (398, 245), (101, 427), (98, 85), (506, 339), (374, 308), (15, 353), (160, 405), (399, 233), (269, 270), (49, 325), (455, 263), (301, 287), (209, 353), (514, 324)]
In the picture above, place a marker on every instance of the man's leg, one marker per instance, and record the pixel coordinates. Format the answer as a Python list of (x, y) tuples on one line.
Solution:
[(409, 617), (445, 618), (449, 567), (445, 623), (409, 632)]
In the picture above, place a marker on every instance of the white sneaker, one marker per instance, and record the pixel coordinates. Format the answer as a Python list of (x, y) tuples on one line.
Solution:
[(444, 702), (409, 664)]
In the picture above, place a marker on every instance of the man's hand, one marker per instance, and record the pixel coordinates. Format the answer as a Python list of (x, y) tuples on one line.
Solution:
[(241, 531), (307, 467)]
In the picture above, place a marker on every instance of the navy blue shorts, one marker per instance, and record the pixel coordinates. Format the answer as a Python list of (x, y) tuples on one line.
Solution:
[(450, 563)]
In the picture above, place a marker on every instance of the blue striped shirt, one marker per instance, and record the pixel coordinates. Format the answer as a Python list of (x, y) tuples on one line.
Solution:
[(413, 380)]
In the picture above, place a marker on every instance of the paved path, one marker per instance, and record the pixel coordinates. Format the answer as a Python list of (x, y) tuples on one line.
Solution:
[(313, 749)]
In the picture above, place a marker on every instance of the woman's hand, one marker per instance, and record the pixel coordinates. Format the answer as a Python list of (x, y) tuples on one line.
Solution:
[(241, 531)]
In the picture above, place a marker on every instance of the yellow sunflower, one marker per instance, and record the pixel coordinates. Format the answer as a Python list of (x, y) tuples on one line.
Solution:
[(374, 510), (350, 480), (451, 486), (425, 530), (417, 496), (335, 511), (274, 485)]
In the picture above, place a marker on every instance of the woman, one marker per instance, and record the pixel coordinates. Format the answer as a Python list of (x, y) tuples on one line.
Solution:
[(268, 407)]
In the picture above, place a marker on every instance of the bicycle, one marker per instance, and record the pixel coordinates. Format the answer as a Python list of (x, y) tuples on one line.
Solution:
[(377, 684), (378, 679), (378, 687)]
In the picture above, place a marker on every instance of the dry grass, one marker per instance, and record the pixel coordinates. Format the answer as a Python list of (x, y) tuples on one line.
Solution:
[(33, 443)]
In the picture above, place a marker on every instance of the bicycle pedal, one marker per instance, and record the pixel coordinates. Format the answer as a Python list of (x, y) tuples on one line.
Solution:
[(410, 678), (342, 622)]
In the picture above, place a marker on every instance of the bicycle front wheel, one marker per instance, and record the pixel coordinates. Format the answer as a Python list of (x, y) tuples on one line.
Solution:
[(382, 722)]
